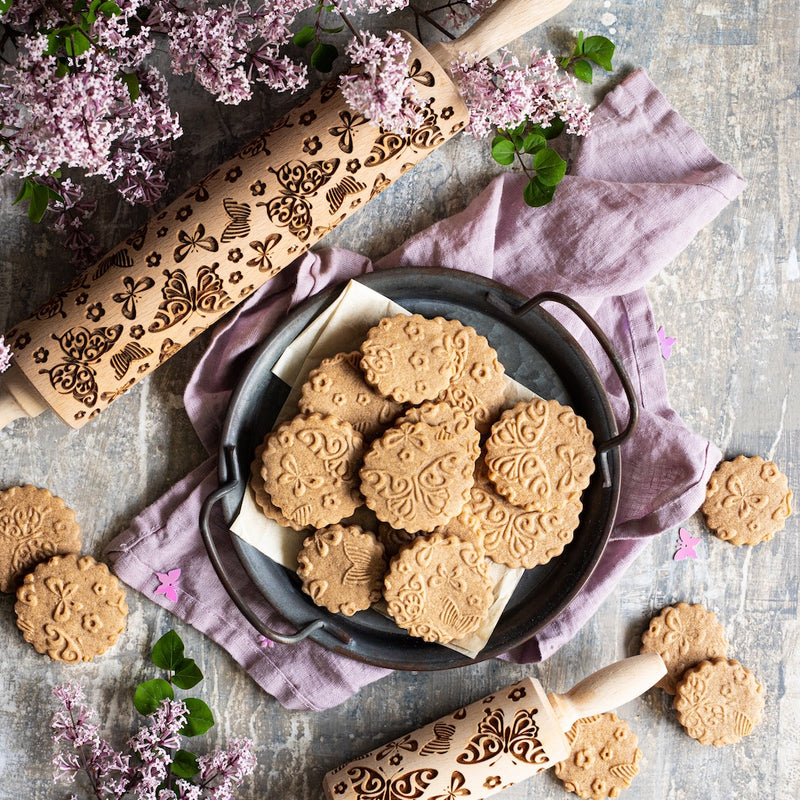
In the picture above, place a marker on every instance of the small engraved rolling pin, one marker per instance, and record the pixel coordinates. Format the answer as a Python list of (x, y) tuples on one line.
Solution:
[(231, 232), (493, 743)]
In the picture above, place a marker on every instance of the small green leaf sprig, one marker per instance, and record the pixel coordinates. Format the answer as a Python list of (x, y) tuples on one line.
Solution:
[(597, 50)]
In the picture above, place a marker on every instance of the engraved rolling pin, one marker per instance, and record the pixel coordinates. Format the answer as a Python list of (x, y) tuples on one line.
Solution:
[(494, 743), (232, 232)]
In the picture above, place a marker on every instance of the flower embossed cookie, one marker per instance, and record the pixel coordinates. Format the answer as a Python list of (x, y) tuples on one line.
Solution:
[(260, 495), (415, 478), (337, 387), (342, 568), (438, 588), (683, 635), (719, 701), (604, 758), (34, 525), (411, 358), (747, 500), (539, 454), (310, 469), (71, 608)]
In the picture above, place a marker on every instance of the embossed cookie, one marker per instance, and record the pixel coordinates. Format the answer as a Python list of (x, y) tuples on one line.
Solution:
[(453, 423), (438, 588), (604, 758), (479, 385), (71, 608), (410, 358), (342, 568), (516, 537), (310, 469), (34, 525), (337, 387), (683, 635), (539, 454), (262, 499), (747, 500), (414, 478), (719, 701)]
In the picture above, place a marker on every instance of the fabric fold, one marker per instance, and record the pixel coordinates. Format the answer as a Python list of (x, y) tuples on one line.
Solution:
[(642, 186)]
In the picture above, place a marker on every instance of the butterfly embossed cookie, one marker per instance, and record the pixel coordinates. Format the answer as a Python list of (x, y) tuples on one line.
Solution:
[(310, 469), (539, 454), (719, 701), (262, 499), (747, 500), (683, 635), (337, 387), (71, 608), (342, 568), (410, 358), (604, 757), (34, 525), (438, 588)]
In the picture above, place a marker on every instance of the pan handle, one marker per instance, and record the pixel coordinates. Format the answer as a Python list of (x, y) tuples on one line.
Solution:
[(230, 484), (608, 348)]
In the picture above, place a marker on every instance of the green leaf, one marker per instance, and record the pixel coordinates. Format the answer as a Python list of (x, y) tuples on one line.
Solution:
[(534, 142), (38, 196), (554, 130), (304, 36), (338, 29), (599, 50), (323, 57), (550, 167), (185, 764), (5, 5), (187, 674), (536, 194), (579, 44), (583, 71), (131, 80), (199, 718), (168, 651), (150, 694), (77, 43), (503, 150)]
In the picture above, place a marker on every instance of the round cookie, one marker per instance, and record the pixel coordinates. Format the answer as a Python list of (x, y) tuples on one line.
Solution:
[(71, 608), (747, 500), (453, 423), (539, 454), (337, 387), (604, 757), (719, 701), (310, 469), (416, 479), (34, 525), (262, 499), (479, 386), (342, 568), (516, 537), (410, 358), (683, 635), (438, 588)]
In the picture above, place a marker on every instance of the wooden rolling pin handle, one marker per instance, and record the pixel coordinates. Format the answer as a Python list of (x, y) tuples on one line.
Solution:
[(18, 398), (608, 688)]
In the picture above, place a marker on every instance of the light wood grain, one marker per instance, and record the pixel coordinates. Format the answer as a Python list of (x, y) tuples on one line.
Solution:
[(732, 299)]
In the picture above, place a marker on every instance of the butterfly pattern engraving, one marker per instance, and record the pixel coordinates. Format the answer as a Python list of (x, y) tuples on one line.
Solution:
[(518, 739), (239, 225), (369, 784)]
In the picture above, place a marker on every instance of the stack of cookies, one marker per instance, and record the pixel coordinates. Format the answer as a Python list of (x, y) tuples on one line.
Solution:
[(410, 477)]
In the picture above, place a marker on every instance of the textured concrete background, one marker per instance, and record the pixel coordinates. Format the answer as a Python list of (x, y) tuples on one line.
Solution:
[(731, 299)]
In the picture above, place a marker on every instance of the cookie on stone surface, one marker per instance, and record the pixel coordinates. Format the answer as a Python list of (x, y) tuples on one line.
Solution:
[(719, 701), (438, 588), (747, 500), (260, 495), (416, 479), (513, 536), (342, 568), (337, 387), (34, 525), (410, 358), (683, 635), (539, 454), (71, 608), (453, 423), (310, 469), (604, 757), (479, 385)]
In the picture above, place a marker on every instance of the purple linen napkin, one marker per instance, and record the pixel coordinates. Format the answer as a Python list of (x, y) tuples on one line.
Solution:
[(643, 185)]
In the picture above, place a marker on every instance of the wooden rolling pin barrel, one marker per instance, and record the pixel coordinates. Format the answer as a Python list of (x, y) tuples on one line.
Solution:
[(493, 743), (230, 233)]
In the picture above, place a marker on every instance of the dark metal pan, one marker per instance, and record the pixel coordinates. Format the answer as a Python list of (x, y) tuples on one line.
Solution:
[(537, 351)]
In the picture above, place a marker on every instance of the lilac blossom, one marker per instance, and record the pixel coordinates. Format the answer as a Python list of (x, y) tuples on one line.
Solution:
[(370, 6), (5, 355), (503, 94), (382, 90)]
